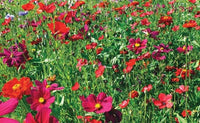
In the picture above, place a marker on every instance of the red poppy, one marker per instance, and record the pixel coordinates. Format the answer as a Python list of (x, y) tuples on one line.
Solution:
[(198, 88), (6, 22), (175, 79), (75, 87), (129, 65), (76, 37), (134, 3), (27, 7), (145, 22), (101, 37), (77, 4), (182, 89), (101, 5), (147, 88), (190, 24), (144, 56), (50, 8), (185, 113), (100, 71), (175, 28), (133, 94), (182, 72), (98, 51), (164, 101), (17, 88), (124, 103), (192, 1), (62, 3), (91, 46), (58, 28)]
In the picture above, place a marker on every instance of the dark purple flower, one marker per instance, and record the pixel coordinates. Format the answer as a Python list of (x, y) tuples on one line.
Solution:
[(113, 115), (163, 49), (151, 33)]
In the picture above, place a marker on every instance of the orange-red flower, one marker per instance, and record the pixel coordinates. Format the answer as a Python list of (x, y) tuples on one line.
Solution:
[(133, 94), (190, 24), (17, 88), (27, 7), (167, 20)]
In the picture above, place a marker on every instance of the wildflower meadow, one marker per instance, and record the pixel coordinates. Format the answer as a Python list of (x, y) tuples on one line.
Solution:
[(99, 61)]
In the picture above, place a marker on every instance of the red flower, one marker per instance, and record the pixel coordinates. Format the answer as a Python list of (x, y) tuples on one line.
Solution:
[(164, 101), (91, 46), (100, 71), (182, 89), (144, 56), (167, 20), (182, 72), (145, 22), (133, 94), (192, 1), (99, 104), (190, 24), (27, 7), (77, 4), (101, 37), (17, 88), (129, 65), (50, 8), (98, 51), (58, 28), (175, 80), (198, 88), (76, 37), (6, 22), (124, 103), (62, 3), (175, 28), (76, 86), (147, 88), (184, 114)]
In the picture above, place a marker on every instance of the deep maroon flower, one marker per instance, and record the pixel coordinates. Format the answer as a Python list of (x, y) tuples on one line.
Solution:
[(113, 115), (15, 55), (164, 101), (137, 45), (6, 108), (157, 55), (163, 49), (40, 98), (99, 104), (43, 116), (151, 33)]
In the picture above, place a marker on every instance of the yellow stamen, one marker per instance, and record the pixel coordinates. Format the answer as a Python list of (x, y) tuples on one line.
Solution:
[(137, 44), (97, 106), (184, 47), (48, 86), (16, 86), (41, 100)]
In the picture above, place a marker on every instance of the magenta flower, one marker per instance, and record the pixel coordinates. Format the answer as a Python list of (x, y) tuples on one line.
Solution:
[(44, 84), (164, 101), (184, 49), (15, 55), (43, 116), (6, 108), (157, 55), (137, 45), (40, 98), (163, 49), (99, 104), (151, 33)]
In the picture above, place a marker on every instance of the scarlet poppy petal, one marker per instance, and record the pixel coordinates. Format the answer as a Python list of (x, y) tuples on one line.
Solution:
[(76, 86)]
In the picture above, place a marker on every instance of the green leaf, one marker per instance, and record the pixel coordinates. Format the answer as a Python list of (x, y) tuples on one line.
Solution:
[(181, 119)]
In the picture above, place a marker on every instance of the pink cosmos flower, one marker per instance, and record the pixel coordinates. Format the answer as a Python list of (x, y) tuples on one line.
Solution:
[(6, 108), (164, 101), (40, 98), (163, 49), (44, 84), (137, 45), (99, 104), (182, 89), (184, 49), (43, 116)]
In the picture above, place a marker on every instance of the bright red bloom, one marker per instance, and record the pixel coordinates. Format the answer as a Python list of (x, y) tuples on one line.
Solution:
[(100, 71), (6, 108), (145, 22), (40, 98), (184, 114), (175, 80), (175, 28), (77, 4), (167, 20), (99, 104), (197, 15), (27, 7), (124, 103), (133, 94), (190, 24), (98, 51), (58, 28), (76, 37), (6, 22), (192, 1), (17, 88), (134, 3), (198, 88), (75, 86), (137, 45), (164, 101), (129, 65), (43, 116), (62, 3), (91, 46), (147, 88), (101, 5), (101, 37), (50, 8), (182, 72), (182, 89)]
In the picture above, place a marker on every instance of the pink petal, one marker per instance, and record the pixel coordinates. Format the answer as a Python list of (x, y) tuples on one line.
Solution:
[(8, 120), (29, 118), (43, 115), (8, 106), (76, 86)]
